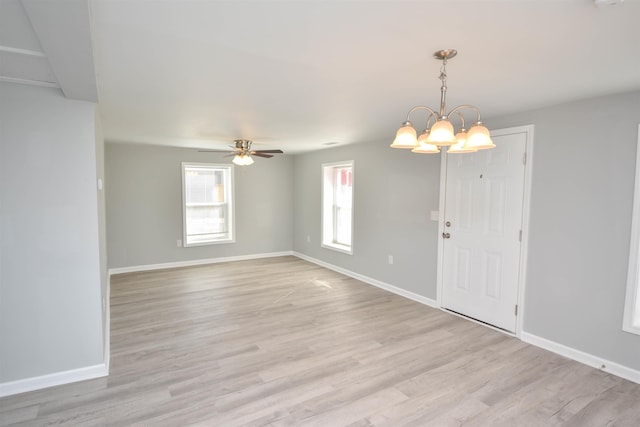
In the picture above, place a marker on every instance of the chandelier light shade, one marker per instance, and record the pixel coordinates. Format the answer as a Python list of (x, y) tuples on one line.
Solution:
[(405, 137), (442, 133), (462, 145), (479, 137), (423, 146)]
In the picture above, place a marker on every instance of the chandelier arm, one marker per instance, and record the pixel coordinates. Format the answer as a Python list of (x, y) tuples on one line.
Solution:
[(432, 114), (460, 107), (461, 118), (421, 107)]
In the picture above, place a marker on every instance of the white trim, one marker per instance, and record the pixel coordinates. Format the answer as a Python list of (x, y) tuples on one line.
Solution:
[(526, 211), (345, 249), (338, 247), (633, 286), (25, 52), (193, 262), (230, 197), (471, 319), (50, 380), (528, 130), (441, 204), (107, 326), (370, 281), (582, 357), (28, 82)]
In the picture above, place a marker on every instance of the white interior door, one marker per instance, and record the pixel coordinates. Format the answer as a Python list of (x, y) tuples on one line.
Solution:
[(484, 194)]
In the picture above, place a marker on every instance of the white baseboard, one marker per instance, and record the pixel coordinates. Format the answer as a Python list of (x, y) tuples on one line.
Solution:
[(189, 263), (30, 384), (107, 328), (563, 350), (582, 357), (50, 380), (377, 283)]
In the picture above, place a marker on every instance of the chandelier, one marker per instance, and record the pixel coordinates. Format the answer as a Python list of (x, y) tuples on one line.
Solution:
[(440, 133)]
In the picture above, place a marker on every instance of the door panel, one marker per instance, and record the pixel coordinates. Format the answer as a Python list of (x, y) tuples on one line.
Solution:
[(465, 203), (492, 280), (496, 189), (483, 207), (463, 264)]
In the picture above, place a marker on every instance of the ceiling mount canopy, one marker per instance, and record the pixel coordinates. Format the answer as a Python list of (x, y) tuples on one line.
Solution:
[(439, 131)]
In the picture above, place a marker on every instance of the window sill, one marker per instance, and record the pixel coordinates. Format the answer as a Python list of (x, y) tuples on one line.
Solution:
[(215, 242), (631, 329), (339, 248)]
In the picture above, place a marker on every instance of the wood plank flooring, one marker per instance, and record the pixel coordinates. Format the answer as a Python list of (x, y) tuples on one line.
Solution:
[(282, 342)]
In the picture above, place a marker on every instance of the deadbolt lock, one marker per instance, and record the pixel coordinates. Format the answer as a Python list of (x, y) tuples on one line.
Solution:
[(448, 223)]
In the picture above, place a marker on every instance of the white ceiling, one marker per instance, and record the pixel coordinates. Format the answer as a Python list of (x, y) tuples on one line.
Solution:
[(299, 74)]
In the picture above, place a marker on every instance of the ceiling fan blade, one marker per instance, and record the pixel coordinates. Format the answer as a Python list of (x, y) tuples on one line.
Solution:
[(258, 154), (269, 151), (213, 151)]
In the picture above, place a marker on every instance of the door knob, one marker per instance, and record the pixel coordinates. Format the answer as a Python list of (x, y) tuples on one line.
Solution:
[(446, 235)]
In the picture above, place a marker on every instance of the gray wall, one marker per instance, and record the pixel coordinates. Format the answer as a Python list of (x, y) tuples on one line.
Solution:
[(50, 315), (580, 224), (394, 193), (144, 206)]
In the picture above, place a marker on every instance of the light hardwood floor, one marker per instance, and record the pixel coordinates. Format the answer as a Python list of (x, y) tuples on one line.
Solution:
[(282, 342)]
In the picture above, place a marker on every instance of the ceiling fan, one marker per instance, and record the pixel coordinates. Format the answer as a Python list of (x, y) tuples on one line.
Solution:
[(243, 152)]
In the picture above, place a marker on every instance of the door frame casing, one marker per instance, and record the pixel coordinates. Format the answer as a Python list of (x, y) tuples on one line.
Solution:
[(528, 130)]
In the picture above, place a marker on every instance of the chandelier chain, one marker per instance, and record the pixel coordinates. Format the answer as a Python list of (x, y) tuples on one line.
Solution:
[(443, 88), (443, 72)]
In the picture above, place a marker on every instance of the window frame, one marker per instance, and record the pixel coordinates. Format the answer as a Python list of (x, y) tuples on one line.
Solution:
[(229, 191), (631, 319), (328, 230)]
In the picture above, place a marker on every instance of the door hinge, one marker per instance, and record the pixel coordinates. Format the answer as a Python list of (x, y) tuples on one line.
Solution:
[(520, 236), (524, 159), (516, 311)]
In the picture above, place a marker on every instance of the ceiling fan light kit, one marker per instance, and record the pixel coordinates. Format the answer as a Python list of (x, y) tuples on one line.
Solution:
[(243, 153), (242, 160), (441, 133)]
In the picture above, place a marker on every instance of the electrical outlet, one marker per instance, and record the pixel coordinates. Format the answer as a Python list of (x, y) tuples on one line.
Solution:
[(179, 243), (308, 239), (390, 259)]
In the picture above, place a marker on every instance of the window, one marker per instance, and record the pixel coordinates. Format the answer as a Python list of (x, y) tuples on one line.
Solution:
[(631, 322), (337, 206), (207, 194)]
